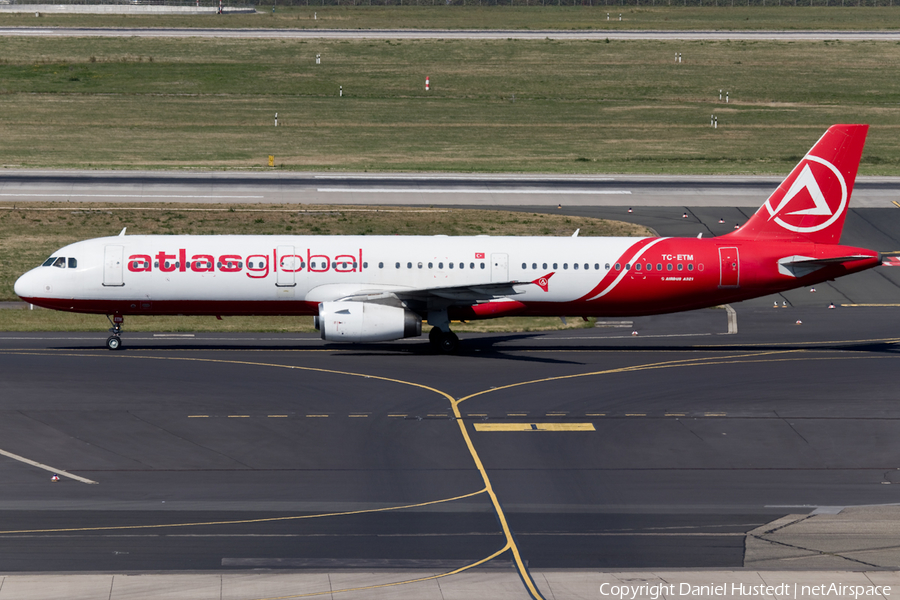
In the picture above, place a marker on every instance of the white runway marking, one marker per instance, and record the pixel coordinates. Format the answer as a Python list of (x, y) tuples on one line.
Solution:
[(59, 472), (556, 192), (577, 179), (124, 196)]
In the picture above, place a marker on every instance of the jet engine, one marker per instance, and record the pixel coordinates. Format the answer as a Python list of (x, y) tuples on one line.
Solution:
[(366, 322)]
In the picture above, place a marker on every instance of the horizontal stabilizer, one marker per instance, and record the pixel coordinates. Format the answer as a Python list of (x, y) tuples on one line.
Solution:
[(799, 266)]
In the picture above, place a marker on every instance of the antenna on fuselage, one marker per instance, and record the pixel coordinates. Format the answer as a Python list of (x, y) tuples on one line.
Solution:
[(576, 232), (122, 233)]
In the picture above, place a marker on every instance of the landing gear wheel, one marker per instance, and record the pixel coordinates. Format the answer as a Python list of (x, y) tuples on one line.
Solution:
[(434, 337), (448, 343), (114, 342)]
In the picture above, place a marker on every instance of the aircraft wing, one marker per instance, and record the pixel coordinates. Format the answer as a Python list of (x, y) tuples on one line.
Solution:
[(457, 293), (463, 294), (466, 293)]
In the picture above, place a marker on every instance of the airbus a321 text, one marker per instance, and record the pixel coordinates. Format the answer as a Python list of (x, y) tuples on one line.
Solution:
[(372, 288)]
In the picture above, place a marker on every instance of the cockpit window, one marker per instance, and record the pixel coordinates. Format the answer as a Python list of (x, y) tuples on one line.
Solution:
[(73, 263), (49, 261), (60, 262)]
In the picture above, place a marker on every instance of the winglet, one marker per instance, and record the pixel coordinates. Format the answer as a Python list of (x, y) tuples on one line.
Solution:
[(544, 282)]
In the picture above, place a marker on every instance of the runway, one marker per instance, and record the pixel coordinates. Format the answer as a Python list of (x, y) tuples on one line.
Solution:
[(411, 189)]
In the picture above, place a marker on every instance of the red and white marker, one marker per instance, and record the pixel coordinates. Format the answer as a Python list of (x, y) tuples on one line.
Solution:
[(55, 478), (427, 83)]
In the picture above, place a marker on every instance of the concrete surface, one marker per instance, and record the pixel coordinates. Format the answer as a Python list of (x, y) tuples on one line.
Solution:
[(472, 585)]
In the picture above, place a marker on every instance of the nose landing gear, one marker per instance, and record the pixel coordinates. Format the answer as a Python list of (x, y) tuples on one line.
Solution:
[(114, 342)]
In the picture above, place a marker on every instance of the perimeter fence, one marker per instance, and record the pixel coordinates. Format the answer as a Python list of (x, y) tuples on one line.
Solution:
[(584, 3)]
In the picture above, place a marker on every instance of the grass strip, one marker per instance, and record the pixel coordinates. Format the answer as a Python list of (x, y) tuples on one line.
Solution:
[(538, 15), (494, 106)]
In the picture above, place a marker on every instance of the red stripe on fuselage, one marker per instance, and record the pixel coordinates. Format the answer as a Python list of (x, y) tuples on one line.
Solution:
[(181, 307), (612, 274)]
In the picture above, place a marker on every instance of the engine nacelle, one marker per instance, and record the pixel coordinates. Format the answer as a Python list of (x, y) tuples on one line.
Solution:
[(365, 322)]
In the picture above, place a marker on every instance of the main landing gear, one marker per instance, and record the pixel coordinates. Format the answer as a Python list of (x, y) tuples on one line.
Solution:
[(114, 342), (443, 341)]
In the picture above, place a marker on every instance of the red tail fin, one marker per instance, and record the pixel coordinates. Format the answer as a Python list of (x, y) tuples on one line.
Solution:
[(811, 204)]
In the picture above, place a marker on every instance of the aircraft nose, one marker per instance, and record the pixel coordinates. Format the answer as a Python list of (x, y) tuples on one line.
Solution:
[(28, 285)]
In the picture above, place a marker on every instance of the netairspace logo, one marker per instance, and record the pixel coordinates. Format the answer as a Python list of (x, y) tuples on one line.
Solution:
[(737, 590)]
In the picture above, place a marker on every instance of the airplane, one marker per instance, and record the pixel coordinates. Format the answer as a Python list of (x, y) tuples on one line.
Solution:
[(379, 288)]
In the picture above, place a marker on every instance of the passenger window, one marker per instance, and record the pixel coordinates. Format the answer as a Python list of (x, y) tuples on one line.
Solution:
[(482, 265), (420, 265), (396, 265), (430, 265), (545, 265), (524, 266), (637, 266), (451, 265), (462, 265), (471, 265), (440, 265), (669, 267), (60, 262), (659, 266), (680, 266), (618, 267), (534, 266), (49, 262), (409, 265), (690, 266), (586, 266), (565, 266), (596, 266), (380, 265), (627, 266), (575, 266), (607, 266), (555, 266), (649, 266)]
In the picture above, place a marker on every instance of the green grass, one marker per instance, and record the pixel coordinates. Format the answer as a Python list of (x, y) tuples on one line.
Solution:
[(652, 14), (47, 320), (29, 235), (519, 106)]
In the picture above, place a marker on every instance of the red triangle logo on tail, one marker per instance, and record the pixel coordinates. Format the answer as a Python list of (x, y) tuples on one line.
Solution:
[(544, 282)]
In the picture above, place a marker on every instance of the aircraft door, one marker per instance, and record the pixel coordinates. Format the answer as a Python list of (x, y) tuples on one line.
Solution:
[(729, 268), (499, 267), (287, 267), (113, 266)]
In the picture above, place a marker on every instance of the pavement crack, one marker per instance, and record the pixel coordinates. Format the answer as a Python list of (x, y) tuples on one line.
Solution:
[(82, 440), (188, 441), (812, 550), (694, 433), (780, 527), (794, 429)]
